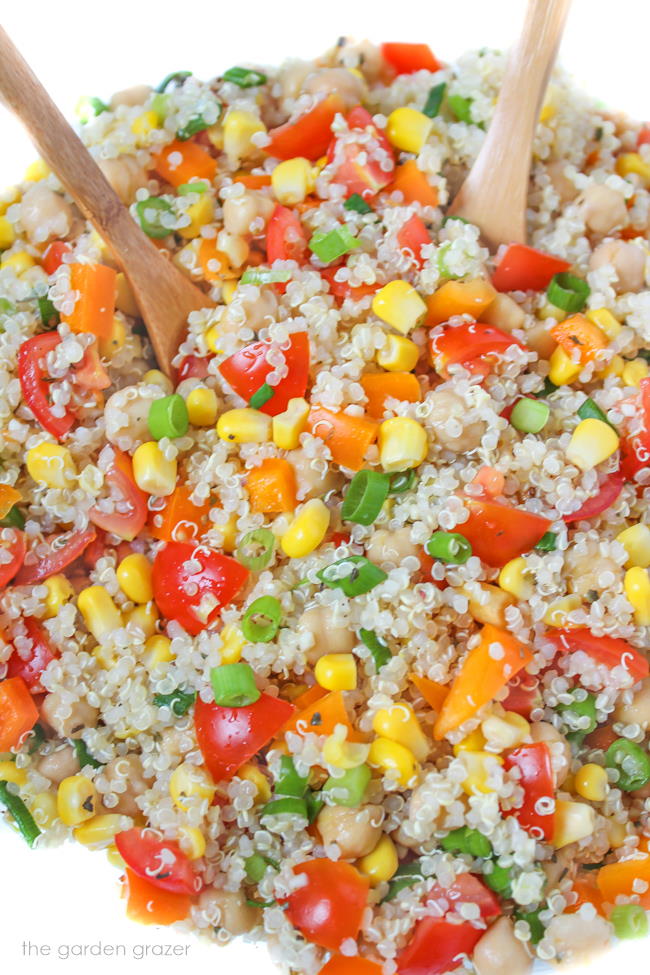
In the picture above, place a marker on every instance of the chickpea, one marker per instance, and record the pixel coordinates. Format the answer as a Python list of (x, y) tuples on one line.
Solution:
[(234, 246), (589, 571), (499, 951), (603, 209), (329, 635), (363, 56), (449, 405), (627, 259), (136, 95), (126, 412), (341, 81), (560, 748), (356, 832), (256, 308), (504, 313), (127, 770), (59, 765), (540, 340), (68, 718), (561, 183), (248, 213), (125, 175), (637, 711), (313, 481), (391, 547), (573, 935), (228, 911), (292, 77), (44, 214)]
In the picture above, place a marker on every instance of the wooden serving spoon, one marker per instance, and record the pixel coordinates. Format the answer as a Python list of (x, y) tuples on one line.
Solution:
[(164, 295), (495, 192)]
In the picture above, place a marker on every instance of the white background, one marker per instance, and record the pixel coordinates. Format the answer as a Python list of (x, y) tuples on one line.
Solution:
[(62, 898)]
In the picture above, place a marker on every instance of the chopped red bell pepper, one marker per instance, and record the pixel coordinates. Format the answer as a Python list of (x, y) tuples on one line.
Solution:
[(438, 947), (30, 664), (12, 543), (524, 695), (285, 238), (607, 493), (635, 446), (342, 290), (159, 861), (328, 908), (537, 812), (362, 167), (409, 58), (53, 555), (34, 386), (523, 268), (246, 371), (474, 345), (412, 237), (498, 532), (611, 651), (125, 511), (53, 256), (467, 889), (309, 134)]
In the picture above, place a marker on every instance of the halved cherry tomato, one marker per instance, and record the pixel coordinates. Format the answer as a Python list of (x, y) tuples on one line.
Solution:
[(159, 861), (285, 238), (148, 904), (499, 533), (246, 371), (409, 58), (350, 965), (192, 584), (309, 134), (607, 494), (35, 389), (30, 664), (524, 695), (53, 555), (538, 782), (362, 167), (412, 237), (635, 447), (12, 542), (124, 513), (523, 268), (342, 290), (90, 373), (194, 367), (229, 737), (467, 889), (53, 256), (611, 651), (474, 345), (436, 947), (328, 909)]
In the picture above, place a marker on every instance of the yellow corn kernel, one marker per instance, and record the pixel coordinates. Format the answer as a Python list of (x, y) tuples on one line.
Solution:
[(228, 531), (573, 821), (637, 589), (202, 406), (394, 760), (629, 163), (514, 579), (547, 113), (232, 644), (76, 800), (228, 289), (190, 785), (614, 367), (20, 261), (157, 650), (288, 426), (7, 197), (399, 305), (399, 723), (134, 576), (292, 180), (7, 233), (191, 841), (591, 782), (251, 773), (557, 612), (152, 472), (52, 465), (238, 130), (100, 831), (145, 123), (154, 377), (408, 129), (44, 810), (244, 426), (550, 311), (59, 592), (489, 606), (603, 318), (36, 171), (403, 444), (592, 442), (307, 530), (382, 863), (636, 542), (10, 773), (105, 656), (145, 618), (634, 372), (212, 339), (124, 297), (473, 742), (480, 766), (114, 857), (343, 754), (504, 731), (200, 214), (562, 369), (616, 833), (336, 672), (114, 341), (398, 354), (101, 615)]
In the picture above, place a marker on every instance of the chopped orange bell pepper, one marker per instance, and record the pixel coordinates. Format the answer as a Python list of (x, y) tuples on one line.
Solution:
[(413, 185), (579, 333), (252, 181), (272, 486), (215, 265), (616, 879), (459, 298), (148, 904), (179, 520), (587, 893), (94, 308), (321, 717), (18, 713), (380, 386), (434, 694), (179, 162), (8, 498), (309, 697), (348, 437)]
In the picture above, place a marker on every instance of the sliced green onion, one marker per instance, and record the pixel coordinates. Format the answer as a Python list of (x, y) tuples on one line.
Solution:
[(461, 107), (434, 100), (400, 483), (535, 925), (245, 77), (260, 904), (196, 124), (499, 880), (546, 389), (255, 866), (83, 755), (448, 547), (467, 840), (199, 186), (590, 410), (548, 542), (441, 262), (233, 685), (357, 204), (90, 107), (574, 713), (36, 739), (7, 307), (631, 762), (348, 789), (355, 575), (289, 783), (50, 317), (179, 702), (175, 78), (256, 548), (568, 292), (20, 814), (261, 396), (13, 519), (288, 806), (149, 213), (160, 106), (365, 497), (264, 275), (261, 621), (530, 415), (629, 921), (381, 653), (314, 805), (329, 246), (406, 876), (168, 417)]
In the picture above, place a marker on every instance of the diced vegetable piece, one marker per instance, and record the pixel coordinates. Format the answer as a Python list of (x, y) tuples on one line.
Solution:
[(537, 813), (272, 486), (18, 713), (328, 908), (380, 386), (499, 533), (523, 268), (413, 185), (348, 437), (95, 305), (148, 904), (409, 58), (179, 162), (608, 650), (308, 135)]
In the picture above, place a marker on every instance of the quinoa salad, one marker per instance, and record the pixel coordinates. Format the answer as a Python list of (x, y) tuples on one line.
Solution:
[(336, 639)]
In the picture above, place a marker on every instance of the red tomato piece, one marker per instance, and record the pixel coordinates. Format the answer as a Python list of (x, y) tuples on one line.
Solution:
[(362, 167), (229, 737), (605, 497), (437, 946), (467, 889), (148, 904), (53, 555), (128, 510), (538, 782), (30, 664), (611, 651), (342, 290), (159, 861), (12, 541), (523, 268), (35, 389), (285, 238), (412, 237), (523, 695), (499, 533), (409, 58), (90, 373), (309, 134), (53, 256), (194, 367), (328, 909), (245, 371), (474, 345), (635, 447), (194, 597)]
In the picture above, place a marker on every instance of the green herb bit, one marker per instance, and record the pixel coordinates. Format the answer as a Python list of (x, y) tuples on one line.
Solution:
[(574, 715), (499, 879), (89, 107), (245, 77), (83, 755), (13, 519), (590, 410), (260, 904), (175, 78), (261, 396), (20, 814), (354, 575), (287, 806), (461, 107), (50, 317), (196, 124), (314, 804), (36, 738), (547, 543), (198, 186), (357, 204), (535, 925), (380, 652), (434, 100), (406, 876), (546, 389), (467, 840), (179, 702)]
